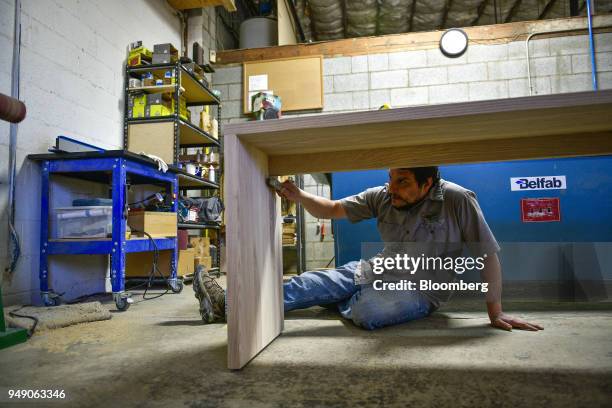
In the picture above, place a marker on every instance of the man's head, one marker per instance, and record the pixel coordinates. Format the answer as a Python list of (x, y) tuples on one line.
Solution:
[(408, 186)]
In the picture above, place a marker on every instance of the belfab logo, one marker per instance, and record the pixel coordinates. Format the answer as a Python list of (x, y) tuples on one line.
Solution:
[(537, 183)]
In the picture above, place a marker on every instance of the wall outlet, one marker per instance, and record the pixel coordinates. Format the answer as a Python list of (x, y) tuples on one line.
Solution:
[(212, 56)]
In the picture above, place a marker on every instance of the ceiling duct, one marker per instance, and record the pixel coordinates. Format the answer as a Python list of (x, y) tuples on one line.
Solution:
[(327, 19), (394, 16), (361, 16)]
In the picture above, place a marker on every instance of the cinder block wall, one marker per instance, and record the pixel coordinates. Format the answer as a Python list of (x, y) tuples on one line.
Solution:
[(319, 249), (427, 77), (72, 58)]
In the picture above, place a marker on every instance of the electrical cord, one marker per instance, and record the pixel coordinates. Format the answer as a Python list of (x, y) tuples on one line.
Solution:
[(146, 198), (31, 330), (149, 283), (154, 269)]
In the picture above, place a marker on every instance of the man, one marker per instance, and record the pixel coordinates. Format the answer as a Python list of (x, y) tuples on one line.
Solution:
[(417, 212)]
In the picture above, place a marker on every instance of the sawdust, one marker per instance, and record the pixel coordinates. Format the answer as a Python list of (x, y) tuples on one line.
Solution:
[(57, 316), (105, 335)]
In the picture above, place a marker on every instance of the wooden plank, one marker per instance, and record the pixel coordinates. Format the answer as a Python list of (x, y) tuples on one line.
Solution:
[(229, 5), (152, 138), (573, 145), (489, 34), (459, 122), (254, 253)]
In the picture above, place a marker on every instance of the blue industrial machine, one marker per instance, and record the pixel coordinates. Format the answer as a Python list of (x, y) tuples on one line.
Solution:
[(538, 251)]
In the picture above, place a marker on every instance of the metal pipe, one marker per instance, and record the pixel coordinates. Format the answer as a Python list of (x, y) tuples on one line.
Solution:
[(591, 44), (552, 32), (13, 243), (11, 109)]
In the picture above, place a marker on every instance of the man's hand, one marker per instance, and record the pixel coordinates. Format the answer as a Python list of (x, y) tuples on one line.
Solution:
[(290, 191), (505, 322)]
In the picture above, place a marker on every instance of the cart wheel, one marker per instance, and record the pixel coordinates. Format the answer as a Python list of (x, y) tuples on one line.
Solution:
[(51, 301), (178, 287), (122, 304)]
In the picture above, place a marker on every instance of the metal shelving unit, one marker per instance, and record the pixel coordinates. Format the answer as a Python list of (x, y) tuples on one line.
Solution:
[(185, 134), (199, 225), (196, 93)]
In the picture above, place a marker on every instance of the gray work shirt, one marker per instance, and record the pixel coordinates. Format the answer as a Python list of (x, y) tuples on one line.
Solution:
[(445, 221)]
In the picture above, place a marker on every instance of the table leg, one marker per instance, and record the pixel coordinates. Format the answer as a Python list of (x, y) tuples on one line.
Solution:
[(47, 295), (254, 253), (121, 298)]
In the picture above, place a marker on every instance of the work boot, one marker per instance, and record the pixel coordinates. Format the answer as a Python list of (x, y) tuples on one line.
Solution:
[(210, 295)]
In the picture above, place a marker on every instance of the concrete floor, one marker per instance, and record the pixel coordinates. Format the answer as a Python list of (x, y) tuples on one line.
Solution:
[(159, 353)]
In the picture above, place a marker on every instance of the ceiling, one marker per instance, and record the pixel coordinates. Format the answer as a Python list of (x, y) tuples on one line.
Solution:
[(336, 19)]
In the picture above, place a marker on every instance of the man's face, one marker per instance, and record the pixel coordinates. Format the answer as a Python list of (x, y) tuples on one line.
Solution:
[(404, 188)]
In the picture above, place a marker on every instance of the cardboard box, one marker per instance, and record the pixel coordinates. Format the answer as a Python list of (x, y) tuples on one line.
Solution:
[(164, 58), (201, 245), (138, 55), (136, 112), (136, 106), (289, 228), (156, 224), (152, 111), (140, 264), (205, 122), (169, 78), (159, 98), (164, 54), (166, 48), (186, 263), (203, 260), (137, 99), (199, 241)]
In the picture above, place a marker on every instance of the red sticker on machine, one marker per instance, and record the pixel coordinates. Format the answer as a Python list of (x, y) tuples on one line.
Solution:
[(540, 210)]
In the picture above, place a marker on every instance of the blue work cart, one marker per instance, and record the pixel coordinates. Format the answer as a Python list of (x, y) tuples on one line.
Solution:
[(116, 168)]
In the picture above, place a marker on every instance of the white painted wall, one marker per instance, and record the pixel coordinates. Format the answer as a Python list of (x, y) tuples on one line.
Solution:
[(72, 58)]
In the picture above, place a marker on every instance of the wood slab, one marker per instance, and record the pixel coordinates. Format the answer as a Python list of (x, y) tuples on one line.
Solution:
[(254, 253), (453, 132)]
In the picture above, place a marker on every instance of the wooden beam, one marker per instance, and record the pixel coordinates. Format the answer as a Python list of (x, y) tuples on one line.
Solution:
[(513, 10), (546, 9), (573, 145), (229, 5), (479, 12), (490, 34), (458, 122)]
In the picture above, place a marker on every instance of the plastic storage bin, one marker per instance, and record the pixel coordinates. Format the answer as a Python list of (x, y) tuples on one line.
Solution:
[(83, 222)]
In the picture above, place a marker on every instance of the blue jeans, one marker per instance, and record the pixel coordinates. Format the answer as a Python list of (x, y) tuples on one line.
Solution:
[(366, 307)]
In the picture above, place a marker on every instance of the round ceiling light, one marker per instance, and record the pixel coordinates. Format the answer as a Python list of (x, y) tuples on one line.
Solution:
[(454, 42)]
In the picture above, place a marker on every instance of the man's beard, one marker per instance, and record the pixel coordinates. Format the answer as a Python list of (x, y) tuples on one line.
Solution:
[(405, 207), (408, 206)]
